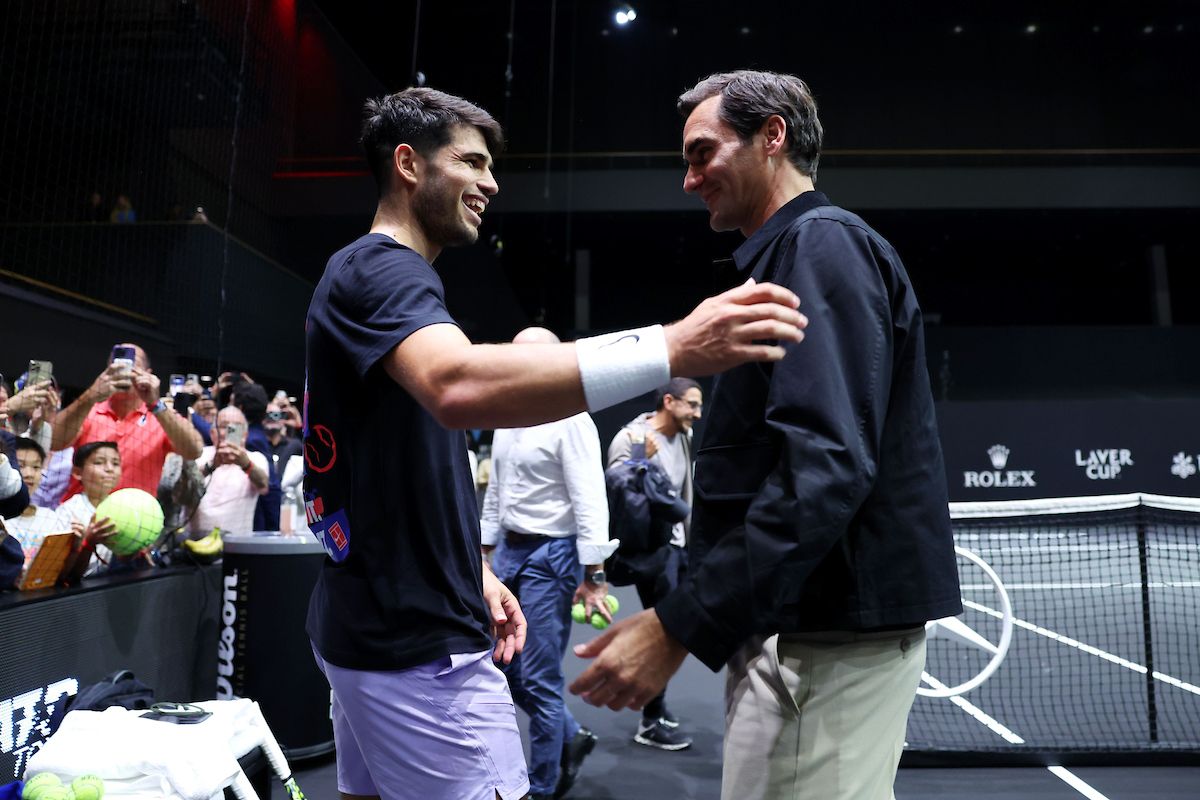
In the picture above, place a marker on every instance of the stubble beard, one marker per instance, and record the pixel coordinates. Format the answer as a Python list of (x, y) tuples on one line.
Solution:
[(436, 209)]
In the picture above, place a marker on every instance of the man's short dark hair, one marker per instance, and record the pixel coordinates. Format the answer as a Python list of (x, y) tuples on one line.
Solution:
[(677, 388), (251, 398), (749, 98), (84, 452), (423, 119), (25, 443)]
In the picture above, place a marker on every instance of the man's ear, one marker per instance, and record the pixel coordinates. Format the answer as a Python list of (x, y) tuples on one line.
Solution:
[(774, 132), (406, 163)]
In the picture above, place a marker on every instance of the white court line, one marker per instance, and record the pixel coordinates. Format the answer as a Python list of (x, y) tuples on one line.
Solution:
[(1076, 783), (1087, 648), (975, 711), (1009, 736)]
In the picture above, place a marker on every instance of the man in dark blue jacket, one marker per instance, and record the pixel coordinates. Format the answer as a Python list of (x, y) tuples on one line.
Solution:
[(820, 542)]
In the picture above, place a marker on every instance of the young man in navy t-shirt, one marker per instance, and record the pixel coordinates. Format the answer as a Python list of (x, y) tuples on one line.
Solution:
[(405, 613)]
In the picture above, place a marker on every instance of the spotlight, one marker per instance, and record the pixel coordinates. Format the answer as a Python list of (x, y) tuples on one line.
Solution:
[(625, 15)]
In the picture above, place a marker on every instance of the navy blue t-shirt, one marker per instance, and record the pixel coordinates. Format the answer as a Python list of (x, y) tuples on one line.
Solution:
[(387, 489)]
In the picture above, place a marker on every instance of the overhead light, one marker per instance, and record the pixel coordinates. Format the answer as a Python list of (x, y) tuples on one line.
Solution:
[(625, 15)]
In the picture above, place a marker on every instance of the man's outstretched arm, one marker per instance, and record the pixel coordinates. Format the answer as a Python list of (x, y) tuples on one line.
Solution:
[(466, 385)]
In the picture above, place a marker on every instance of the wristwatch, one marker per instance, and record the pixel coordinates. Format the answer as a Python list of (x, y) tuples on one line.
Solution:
[(159, 406), (597, 578)]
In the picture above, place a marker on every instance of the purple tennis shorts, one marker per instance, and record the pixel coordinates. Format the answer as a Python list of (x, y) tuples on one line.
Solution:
[(446, 730)]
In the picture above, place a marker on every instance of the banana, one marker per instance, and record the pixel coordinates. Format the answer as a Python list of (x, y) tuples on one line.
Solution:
[(210, 545)]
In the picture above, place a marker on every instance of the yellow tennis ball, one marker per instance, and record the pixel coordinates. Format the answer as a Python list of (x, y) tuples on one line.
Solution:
[(88, 787), (613, 605), (48, 791), (38, 783), (136, 515), (577, 613)]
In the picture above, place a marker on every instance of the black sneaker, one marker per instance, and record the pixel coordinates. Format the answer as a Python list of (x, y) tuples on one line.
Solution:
[(668, 719), (653, 733), (574, 752)]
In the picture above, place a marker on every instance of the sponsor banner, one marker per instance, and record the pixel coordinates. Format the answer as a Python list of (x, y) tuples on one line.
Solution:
[(1029, 449)]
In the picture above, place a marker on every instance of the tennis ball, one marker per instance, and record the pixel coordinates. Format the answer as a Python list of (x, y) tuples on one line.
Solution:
[(577, 612), (88, 787), (598, 620), (38, 783), (47, 791), (137, 517)]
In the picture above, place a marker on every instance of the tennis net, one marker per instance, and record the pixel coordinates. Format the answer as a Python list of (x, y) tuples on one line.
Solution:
[(1105, 644)]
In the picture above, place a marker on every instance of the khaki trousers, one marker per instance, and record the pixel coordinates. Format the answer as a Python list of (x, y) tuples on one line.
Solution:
[(819, 715)]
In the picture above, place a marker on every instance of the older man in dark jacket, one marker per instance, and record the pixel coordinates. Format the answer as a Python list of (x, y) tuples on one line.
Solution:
[(821, 542)]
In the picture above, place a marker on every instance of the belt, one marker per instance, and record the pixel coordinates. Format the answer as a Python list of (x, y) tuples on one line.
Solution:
[(513, 537)]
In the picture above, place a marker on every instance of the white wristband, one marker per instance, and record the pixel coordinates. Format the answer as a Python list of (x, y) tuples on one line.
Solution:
[(620, 366)]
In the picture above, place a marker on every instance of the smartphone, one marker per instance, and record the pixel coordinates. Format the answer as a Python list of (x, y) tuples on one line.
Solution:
[(39, 371), (183, 403), (123, 355), (277, 416), (193, 378), (176, 384), (235, 433)]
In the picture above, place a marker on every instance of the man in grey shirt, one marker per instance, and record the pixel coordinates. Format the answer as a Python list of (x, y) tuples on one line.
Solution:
[(665, 433)]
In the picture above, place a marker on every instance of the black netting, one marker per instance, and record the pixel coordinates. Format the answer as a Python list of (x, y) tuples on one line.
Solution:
[(1105, 653)]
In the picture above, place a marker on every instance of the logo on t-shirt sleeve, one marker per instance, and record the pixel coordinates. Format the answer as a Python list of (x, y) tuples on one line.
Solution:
[(332, 528)]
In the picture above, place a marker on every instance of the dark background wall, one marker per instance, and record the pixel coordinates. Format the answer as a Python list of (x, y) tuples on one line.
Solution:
[(1036, 165)]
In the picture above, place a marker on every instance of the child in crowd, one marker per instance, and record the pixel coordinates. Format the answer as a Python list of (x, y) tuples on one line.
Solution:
[(97, 466), (35, 522)]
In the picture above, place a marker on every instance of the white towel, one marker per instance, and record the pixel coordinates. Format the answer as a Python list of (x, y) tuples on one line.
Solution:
[(147, 758)]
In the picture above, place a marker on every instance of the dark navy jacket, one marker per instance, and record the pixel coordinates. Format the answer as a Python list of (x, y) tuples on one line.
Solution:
[(820, 491)]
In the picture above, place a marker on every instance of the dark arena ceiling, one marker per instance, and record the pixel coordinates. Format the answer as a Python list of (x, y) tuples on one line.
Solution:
[(564, 75)]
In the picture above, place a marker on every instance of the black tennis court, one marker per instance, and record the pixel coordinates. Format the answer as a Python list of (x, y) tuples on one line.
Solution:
[(1075, 679)]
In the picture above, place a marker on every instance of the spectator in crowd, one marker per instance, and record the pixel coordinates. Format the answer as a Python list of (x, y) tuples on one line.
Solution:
[(292, 422), (666, 433), (203, 413), (279, 439), (28, 412), (97, 469), (124, 406), (56, 474), (547, 511), (123, 212), (205, 408), (32, 524), (13, 494), (237, 477), (251, 399), (93, 210), (7, 437)]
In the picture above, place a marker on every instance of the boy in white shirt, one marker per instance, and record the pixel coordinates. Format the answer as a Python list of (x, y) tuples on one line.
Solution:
[(97, 466)]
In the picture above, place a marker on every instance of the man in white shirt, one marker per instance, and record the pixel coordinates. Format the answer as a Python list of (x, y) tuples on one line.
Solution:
[(547, 509), (235, 477)]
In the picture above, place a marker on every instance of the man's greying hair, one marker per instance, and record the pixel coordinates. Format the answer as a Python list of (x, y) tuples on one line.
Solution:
[(748, 98), (677, 388), (421, 118)]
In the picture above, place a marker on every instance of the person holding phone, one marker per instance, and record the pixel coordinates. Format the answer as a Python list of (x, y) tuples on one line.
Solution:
[(36, 401), (236, 478), (123, 405)]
